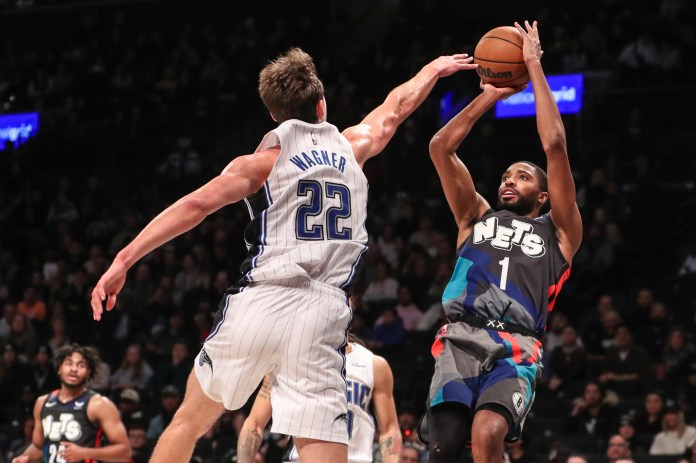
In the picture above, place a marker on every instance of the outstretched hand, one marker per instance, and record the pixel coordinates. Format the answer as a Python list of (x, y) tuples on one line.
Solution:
[(107, 289), (531, 46), (500, 93), (448, 65)]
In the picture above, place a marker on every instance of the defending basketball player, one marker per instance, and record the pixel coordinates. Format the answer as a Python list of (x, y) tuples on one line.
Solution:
[(71, 422), (369, 381), (510, 268), (287, 316)]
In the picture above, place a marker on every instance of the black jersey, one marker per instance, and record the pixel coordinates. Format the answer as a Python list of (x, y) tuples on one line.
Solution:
[(509, 268), (67, 422)]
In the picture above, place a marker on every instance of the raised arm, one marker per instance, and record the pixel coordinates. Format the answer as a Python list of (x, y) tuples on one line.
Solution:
[(385, 412), (374, 132), (242, 177), (466, 205), (251, 434), (564, 209)]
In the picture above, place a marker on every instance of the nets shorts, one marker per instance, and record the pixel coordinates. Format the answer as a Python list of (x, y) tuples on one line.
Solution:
[(295, 330), (485, 368)]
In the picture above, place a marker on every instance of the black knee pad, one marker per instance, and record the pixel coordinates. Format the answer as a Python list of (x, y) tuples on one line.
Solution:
[(449, 432)]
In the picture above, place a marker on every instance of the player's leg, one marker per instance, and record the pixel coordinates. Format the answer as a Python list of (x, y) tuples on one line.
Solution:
[(308, 389), (194, 417), (313, 450), (448, 432), (487, 436)]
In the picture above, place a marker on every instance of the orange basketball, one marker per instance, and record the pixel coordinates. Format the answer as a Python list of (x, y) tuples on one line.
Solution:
[(499, 58)]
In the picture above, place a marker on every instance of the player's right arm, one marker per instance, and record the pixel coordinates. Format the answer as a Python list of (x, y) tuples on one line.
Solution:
[(33, 453), (251, 434), (243, 176), (385, 411), (374, 132), (466, 204)]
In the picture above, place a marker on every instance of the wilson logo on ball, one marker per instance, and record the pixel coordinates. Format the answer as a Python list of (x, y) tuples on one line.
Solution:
[(490, 74)]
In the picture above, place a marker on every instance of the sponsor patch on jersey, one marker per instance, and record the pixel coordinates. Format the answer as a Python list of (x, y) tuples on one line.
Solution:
[(518, 402)]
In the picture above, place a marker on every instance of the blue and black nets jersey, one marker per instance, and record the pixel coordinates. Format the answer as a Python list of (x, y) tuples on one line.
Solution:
[(67, 422), (509, 268)]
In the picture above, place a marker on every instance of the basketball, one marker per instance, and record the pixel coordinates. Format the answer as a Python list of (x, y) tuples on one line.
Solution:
[(500, 60)]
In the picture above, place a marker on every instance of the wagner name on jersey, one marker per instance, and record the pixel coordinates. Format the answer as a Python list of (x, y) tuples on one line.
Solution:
[(309, 217)]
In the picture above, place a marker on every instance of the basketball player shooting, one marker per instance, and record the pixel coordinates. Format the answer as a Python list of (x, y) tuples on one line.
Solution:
[(287, 316), (510, 268)]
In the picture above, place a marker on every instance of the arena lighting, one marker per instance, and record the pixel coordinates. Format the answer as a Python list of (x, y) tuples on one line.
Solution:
[(18, 128), (567, 90)]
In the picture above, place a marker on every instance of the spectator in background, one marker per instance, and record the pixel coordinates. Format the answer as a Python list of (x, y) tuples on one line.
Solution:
[(653, 332), (140, 448), (568, 361), (22, 337), (32, 306), (45, 378), (676, 436), (174, 371), (591, 415), (407, 310), (649, 421), (170, 398), (576, 458), (677, 355), (617, 449), (600, 338), (381, 290), (410, 454), (8, 313), (59, 336), (130, 408), (627, 365), (134, 371), (554, 334), (17, 373), (388, 330)]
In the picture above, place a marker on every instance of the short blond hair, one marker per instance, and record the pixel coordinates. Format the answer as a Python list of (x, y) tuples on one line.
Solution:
[(290, 88)]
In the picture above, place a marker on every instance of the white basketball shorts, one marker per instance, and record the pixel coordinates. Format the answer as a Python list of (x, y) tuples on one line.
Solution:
[(294, 329)]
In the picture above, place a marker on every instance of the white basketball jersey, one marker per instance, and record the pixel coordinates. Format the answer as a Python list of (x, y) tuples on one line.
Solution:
[(309, 217), (360, 382)]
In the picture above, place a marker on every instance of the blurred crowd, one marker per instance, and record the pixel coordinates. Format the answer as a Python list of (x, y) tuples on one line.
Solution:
[(138, 109)]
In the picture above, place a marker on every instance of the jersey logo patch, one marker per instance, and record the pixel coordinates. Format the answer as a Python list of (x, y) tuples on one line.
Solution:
[(79, 405), (50, 404), (518, 402), (204, 358), (314, 137)]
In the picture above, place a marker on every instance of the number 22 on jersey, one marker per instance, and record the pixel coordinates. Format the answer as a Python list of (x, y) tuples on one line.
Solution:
[(314, 207)]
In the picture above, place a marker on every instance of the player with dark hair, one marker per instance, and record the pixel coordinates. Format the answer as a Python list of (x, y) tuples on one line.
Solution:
[(307, 197), (510, 268), (75, 423)]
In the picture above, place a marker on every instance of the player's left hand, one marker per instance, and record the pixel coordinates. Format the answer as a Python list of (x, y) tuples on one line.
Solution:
[(448, 65), (500, 93), (531, 47), (72, 452)]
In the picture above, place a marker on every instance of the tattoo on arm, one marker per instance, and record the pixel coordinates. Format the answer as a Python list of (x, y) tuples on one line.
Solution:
[(387, 446), (248, 447), (265, 390)]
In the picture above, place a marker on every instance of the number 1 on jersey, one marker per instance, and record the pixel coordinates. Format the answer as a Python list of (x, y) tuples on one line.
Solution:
[(505, 263)]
